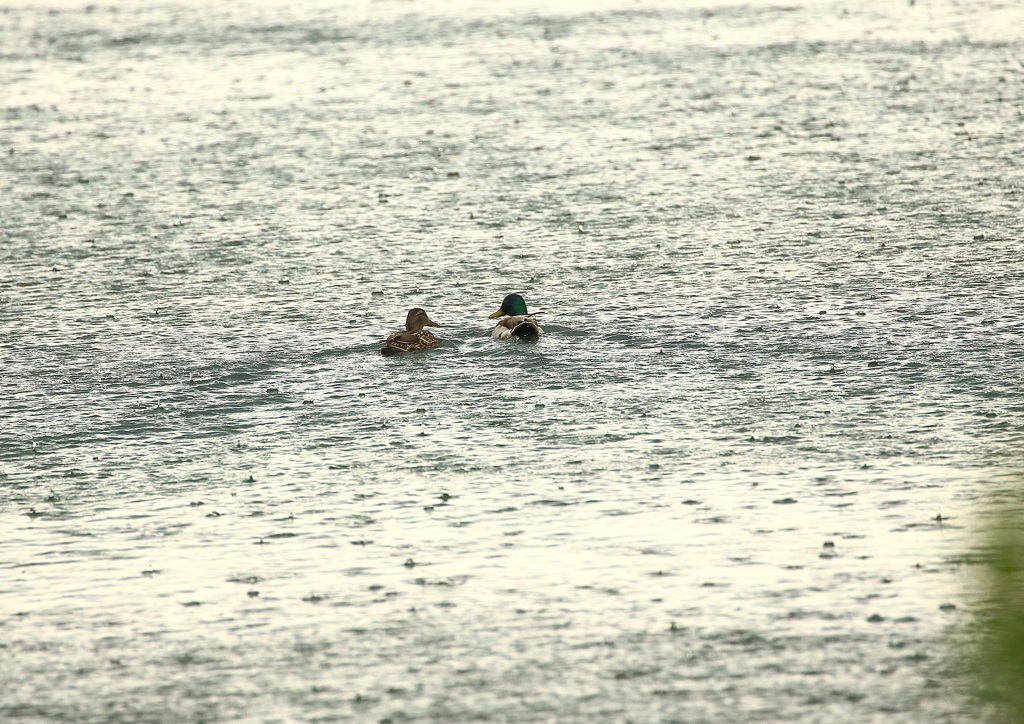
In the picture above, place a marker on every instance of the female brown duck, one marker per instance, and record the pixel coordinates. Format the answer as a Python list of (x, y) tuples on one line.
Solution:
[(414, 338)]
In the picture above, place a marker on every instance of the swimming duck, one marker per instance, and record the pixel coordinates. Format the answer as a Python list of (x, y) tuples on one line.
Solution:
[(414, 338), (519, 322)]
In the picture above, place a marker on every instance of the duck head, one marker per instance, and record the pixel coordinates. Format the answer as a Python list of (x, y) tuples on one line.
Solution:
[(511, 306), (417, 319)]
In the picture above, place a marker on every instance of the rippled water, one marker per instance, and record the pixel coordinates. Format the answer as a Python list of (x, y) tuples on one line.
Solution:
[(777, 254)]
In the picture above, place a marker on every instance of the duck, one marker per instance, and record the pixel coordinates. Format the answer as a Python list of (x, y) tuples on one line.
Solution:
[(518, 323), (414, 338)]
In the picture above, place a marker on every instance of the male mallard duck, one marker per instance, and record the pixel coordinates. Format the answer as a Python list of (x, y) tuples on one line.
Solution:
[(519, 322), (414, 338)]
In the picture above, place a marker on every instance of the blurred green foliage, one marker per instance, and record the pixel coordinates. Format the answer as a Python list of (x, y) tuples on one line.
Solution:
[(999, 656)]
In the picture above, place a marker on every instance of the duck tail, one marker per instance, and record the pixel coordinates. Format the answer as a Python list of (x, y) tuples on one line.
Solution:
[(526, 331)]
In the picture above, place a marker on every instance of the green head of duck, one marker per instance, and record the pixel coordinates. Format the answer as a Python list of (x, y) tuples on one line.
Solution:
[(511, 306)]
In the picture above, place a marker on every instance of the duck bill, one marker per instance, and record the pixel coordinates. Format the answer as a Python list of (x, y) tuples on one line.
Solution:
[(495, 315), (430, 323)]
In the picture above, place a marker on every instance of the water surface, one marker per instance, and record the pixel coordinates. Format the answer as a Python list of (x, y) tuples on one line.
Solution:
[(776, 249)]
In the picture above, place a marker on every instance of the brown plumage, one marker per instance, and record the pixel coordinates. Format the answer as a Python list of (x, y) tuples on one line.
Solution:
[(414, 338)]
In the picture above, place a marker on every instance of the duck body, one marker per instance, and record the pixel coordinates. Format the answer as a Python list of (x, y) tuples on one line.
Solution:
[(521, 327), (518, 322), (414, 338), (402, 342)]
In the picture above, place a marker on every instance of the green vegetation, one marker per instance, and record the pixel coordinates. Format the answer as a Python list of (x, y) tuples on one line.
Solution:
[(999, 657)]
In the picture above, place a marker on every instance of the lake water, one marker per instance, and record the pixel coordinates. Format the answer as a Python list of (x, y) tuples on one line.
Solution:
[(777, 252)]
